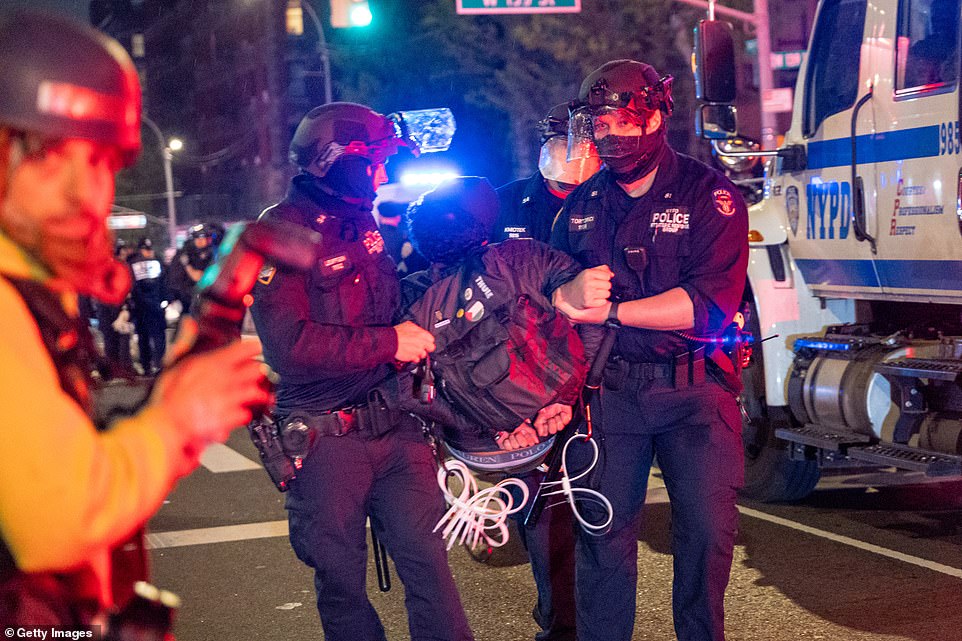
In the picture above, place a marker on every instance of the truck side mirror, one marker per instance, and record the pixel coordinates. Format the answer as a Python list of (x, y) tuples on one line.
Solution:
[(714, 62), (716, 122)]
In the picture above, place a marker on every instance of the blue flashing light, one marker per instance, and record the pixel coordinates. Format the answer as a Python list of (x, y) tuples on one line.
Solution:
[(821, 344)]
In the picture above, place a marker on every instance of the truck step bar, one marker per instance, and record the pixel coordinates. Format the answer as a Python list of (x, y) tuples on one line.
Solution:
[(833, 441), (909, 458), (861, 447), (938, 369)]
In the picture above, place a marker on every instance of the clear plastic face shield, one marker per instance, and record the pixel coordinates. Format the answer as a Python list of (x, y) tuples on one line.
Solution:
[(554, 163), (615, 123)]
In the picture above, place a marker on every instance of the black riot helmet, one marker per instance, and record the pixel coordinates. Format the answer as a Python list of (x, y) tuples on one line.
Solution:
[(213, 231), (60, 79), (627, 84), (332, 131), (453, 219), (632, 91)]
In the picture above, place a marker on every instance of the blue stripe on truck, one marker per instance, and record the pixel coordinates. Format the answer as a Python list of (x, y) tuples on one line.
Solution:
[(941, 275), (920, 142)]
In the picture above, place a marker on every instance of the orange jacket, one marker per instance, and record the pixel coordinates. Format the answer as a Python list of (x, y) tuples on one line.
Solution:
[(68, 492)]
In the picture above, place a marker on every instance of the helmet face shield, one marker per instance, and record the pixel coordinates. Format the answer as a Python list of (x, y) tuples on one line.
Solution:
[(609, 132), (554, 164)]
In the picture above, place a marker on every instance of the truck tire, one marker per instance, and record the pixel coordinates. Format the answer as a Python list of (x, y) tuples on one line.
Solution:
[(770, 475)]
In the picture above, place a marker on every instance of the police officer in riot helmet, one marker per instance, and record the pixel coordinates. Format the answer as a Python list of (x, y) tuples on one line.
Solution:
[(667, 235), (530, 205), (191, 260), (332, 334), (71, 493)]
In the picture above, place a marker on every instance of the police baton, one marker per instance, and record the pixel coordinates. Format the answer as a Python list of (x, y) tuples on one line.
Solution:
[(591, 386)]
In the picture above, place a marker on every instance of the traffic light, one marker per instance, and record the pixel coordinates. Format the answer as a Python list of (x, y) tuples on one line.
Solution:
[(350, 13)]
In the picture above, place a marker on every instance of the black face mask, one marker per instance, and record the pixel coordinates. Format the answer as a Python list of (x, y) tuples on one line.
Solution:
[(349, 177), (646, 152)]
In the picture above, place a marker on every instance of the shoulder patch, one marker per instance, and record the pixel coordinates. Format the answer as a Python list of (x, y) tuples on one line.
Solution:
[(373, 242), (724, 202), (266, 275)]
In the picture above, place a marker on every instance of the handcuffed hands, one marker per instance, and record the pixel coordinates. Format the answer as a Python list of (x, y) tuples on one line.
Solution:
[(551, 419), (522, 436)]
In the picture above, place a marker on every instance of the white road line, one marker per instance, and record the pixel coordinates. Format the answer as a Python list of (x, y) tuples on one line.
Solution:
[(875, 549), (220, 458), (221, 534)]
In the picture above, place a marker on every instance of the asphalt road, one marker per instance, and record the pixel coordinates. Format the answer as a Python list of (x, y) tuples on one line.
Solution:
[(857, 561)]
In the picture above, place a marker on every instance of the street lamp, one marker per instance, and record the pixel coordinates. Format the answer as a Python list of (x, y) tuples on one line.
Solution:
[(167, 151), (321, 48)]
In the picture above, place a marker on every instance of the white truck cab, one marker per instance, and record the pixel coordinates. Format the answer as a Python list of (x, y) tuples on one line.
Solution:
[(856, 253)]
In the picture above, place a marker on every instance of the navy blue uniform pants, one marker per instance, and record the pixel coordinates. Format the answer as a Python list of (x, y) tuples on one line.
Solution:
[(695, 433), (151, 328), (551, 550), (390, 478)]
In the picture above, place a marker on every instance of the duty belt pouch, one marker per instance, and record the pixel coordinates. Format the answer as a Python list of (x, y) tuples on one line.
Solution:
[(615, 373), (689, 368), (377, 417)]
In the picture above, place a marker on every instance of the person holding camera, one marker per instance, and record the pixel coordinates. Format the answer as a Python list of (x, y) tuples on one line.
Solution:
[(72, 494), (333, 334)]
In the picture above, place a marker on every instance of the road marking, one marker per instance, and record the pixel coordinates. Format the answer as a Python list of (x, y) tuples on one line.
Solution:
[(875, 549), (219, 458), (221, 534)]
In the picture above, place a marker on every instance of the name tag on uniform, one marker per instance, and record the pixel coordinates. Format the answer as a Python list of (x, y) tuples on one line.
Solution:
[(516, 231), (334, 264), (581, 223)]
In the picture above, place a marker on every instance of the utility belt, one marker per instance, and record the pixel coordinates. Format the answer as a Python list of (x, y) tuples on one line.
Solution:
[(685, 370), (369, 419), (285, 441)]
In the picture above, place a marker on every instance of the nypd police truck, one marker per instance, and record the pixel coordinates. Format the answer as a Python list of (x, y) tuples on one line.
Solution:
[(856, 250)]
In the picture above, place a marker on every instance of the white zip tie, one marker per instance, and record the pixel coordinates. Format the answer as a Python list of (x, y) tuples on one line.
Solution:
[(473, 514)]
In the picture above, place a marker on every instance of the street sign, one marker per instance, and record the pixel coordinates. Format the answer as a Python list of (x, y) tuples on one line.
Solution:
[(127, 221), (787, 59), (518, 6)]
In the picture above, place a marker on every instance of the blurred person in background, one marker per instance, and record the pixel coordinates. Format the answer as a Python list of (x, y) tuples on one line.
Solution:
[(147, 299), (73, 493)]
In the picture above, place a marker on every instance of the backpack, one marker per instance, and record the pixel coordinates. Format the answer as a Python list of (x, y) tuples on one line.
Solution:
[(501, 354)]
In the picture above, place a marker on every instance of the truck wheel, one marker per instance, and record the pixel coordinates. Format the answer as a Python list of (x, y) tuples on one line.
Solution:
[(770, 475)]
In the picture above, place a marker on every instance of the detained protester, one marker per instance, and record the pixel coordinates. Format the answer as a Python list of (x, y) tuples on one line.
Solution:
[(70, 493), (528, 209), (332, 335), (513, 367), (670, 234)]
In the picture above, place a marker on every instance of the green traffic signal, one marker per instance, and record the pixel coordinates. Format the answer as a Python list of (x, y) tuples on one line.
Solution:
[(351, 13)]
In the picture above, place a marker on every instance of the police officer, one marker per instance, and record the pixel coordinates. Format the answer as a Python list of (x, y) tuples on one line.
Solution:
[(191, 260), (530, 205), (148, 295), (71, 494), (330, 335), (668, 236), (528, 208)]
